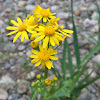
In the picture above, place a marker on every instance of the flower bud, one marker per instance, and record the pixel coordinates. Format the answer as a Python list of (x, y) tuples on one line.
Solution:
[(38, 76)]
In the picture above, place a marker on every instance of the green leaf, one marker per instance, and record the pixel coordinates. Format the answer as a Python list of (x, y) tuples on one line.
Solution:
[(75, 39), (33, 95), (90, 82), (63, 61), (86, 78), (96, 49), (70, 65)]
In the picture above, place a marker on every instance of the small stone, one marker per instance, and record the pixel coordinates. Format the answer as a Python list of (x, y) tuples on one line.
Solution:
[(97, 82), (87, 22), (92, 7), (30, 7), (7, 66), (22, 86), (8, 81), (97, 59), (21, 60), (63, 15), (30, 75), (21, 47), (22, 3), (31, 1), (82, 42), (54, 8), (77, 12), (95, 16), (3, 94), (28, 53), (91, 89), (11, 61)]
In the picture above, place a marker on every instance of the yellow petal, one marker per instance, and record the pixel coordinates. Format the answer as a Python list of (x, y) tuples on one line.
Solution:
[(67, 31), (13, 32), (48, 64), (12, 28), (39, 38), (44, 19), (35, 52), (38, 63), (26, 35), (59, 37), (45, 42), (43, 64), (14, 22), (17, 35), (53, 52), (41, 48), (53, 58), (22, 37), (34, 56), (30, 20), (56, 40), (19, 21), (52, 41), (34, 60)]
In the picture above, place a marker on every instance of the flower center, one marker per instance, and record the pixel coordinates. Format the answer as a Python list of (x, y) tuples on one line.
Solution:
[(59, 27), (53, 21), (49, 31), (44, 55), (22, 27), (44, 12)]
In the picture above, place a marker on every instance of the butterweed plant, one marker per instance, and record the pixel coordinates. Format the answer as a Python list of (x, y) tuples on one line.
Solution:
[(46, 36)]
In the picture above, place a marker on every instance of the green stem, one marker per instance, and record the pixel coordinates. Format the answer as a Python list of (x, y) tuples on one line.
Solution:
[(46, 72)]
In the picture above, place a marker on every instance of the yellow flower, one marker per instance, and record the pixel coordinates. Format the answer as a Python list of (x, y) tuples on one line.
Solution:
[(33, 84), (34, 44), (43, 57), (53, 21), (55, 78), (32, 37), (66, 32), (43, 13), (38, 76), (49, 34), (21, 28), (48, 81)]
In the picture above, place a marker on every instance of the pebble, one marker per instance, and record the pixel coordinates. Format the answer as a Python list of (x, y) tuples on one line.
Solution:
[(30, 75), (97, 82), (54, 8), (77, 12), (63, 15), (8, 47), (91, 89), (22, 86), (3, 94), (30, 7), (97, 59), (82, 42), (7, 66), (21, 60), (92, 7), (21, 47), (8, 81), (87, 22), (28, 53), (11, 61), (31, 1), (95, 16), (22, 3)]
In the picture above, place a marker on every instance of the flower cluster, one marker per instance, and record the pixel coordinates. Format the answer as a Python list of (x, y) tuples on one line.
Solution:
[(45, 34), (40, 83)]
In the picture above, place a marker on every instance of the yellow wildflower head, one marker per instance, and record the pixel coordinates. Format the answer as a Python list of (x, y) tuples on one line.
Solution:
[(52, 21), (38, 76), (34, 44), (21, 28), (48, 81), (43, 13), (43, 57), (55, 78), (49, 34)]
